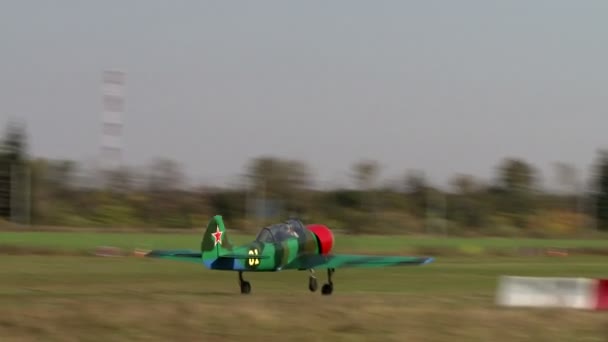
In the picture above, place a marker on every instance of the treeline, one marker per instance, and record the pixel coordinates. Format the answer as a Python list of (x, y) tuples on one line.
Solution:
[(65, 193)]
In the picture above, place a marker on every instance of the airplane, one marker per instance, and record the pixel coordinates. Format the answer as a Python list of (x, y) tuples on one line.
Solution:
[(288, 245)]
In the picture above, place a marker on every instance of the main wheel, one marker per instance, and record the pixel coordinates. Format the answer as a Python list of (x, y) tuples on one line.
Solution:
[(327, 289), (312, 284), (245, 287)]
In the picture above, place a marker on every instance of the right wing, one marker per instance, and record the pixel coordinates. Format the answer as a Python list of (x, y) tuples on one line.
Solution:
[(309, 261)]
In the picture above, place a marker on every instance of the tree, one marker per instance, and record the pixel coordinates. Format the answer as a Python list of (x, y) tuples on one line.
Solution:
[(166, 202), (277, 177), (121, 180), (14, 202), (165, 175), (465, 207), (516, 183), (59, 176), (567, 179), (414, 182), (284, 181), (601, 190), (14, 144), (516, 175), (299, 175), (416, 189), (463, 184), (365, 174)]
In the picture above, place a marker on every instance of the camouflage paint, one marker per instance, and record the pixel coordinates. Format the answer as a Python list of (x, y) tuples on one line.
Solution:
[(303, 252), (255, 256)]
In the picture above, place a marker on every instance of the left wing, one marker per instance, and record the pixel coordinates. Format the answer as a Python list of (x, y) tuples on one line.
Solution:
[(176, 254), (308, 261)]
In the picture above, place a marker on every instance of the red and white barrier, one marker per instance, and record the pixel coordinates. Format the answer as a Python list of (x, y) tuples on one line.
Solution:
[(602, 294), (577, 293)]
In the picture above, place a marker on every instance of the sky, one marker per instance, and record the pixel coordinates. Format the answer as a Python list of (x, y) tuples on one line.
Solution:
[(441, 86)]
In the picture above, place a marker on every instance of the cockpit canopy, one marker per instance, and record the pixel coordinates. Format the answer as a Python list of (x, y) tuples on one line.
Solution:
[(281, 231)]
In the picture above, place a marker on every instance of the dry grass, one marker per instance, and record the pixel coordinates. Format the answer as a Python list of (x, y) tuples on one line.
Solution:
[(301, 317), (63, 298)]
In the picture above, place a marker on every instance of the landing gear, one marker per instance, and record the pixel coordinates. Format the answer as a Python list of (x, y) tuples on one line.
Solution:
[(312, 281), (245, 285), (328, 288)]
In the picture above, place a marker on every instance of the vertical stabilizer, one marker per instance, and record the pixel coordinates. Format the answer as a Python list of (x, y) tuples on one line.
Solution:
[(215, 240)]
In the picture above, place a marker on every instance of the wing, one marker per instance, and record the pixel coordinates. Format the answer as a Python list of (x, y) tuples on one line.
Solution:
[(176, 254), (349, 260)]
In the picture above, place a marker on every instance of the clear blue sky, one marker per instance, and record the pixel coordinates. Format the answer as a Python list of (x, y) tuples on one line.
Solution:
[(443, 86)]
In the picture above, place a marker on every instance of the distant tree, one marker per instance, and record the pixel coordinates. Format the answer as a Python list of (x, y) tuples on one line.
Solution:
[(13, 173), (601, 190), (516, 187), (165, 175), (414, 182), (463, 184), (60, 175), (300, 180), (417, 189), (14, 143), (366, 173), (465, 205), (166, 199), (299, 174), (286, 181), (516, 175), (267, 175), (277, 177), (566, 177), (228, 203), (120, 180), (42, 198)]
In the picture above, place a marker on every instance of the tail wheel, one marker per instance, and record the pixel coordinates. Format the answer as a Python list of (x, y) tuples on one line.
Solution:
[(245, 287)]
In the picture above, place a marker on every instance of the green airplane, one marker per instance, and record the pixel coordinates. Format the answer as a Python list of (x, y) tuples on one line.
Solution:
[(289, 245)]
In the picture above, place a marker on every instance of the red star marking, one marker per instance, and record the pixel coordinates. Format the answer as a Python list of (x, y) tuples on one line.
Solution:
[(218, 236)]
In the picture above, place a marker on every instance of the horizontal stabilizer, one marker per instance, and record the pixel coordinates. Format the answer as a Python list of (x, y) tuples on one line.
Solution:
[(181, 254), (243, 256)]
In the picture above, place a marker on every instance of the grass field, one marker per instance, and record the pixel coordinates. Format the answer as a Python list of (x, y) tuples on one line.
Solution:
[(86, 298)]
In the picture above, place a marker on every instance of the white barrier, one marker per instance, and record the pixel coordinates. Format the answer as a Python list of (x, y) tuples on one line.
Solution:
[(578, 293)]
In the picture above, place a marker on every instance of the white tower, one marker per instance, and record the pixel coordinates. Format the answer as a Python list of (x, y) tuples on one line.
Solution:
[(113, 89)]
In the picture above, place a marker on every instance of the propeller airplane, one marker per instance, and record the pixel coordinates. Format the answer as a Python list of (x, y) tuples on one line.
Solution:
[(288, 245)]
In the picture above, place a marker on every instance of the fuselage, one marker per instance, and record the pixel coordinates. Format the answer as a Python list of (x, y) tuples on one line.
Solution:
[(275, 247), (275, 255)]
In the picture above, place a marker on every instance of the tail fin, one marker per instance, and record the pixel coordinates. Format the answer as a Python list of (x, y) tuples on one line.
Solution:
[(215, 240)]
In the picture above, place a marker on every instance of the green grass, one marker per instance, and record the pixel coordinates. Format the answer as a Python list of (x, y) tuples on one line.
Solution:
[(80, 298), (62, 298)]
